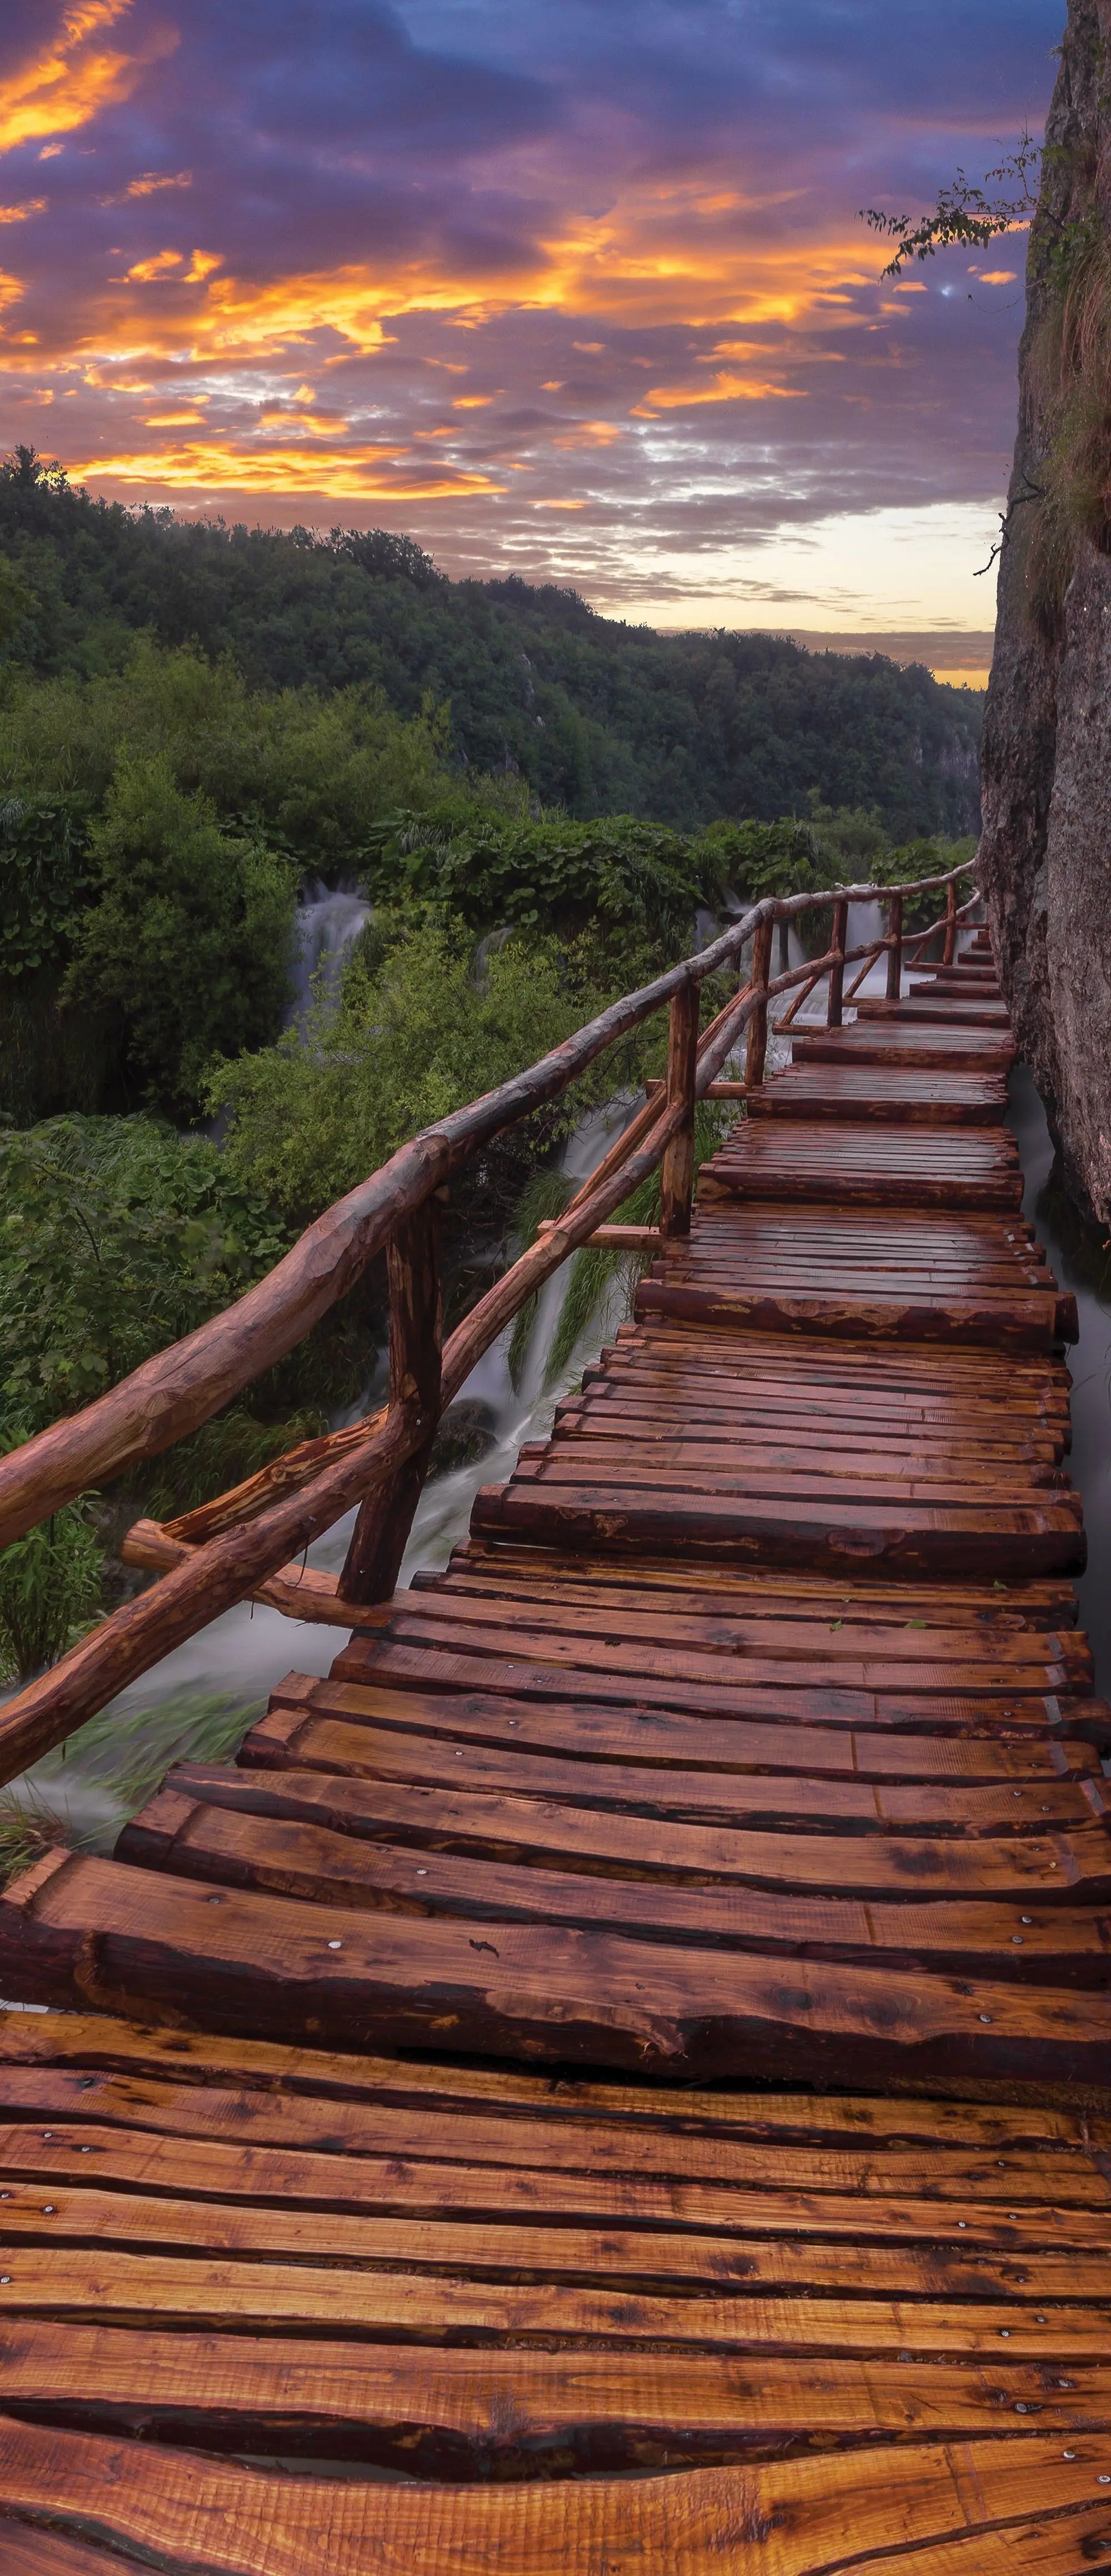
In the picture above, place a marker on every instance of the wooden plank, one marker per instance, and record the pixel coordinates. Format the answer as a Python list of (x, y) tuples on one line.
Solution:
[(64, 2282), (615, 2258), (951, 1099), (222, 2519), (917, 1537), (296, 1836), (83, 2041), (77, 1929), (948, 2205), (1011, 1716), (625, 1735), (1023, 2172), (449, 2412)]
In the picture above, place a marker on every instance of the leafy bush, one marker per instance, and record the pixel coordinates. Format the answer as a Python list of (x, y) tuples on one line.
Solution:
[(548, 874), (50, 1586), (415, 1036), (190, 939), (309, 774), (116, 1237), (44, 876)]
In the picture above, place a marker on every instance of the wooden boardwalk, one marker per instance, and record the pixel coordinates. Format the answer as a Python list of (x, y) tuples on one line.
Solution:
[(647, 2009)]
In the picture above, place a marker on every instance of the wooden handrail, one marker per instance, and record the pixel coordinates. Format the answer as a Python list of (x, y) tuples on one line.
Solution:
[(241, 1544)]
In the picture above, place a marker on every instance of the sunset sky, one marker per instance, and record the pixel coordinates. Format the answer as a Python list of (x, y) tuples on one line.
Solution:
[(574, 288)]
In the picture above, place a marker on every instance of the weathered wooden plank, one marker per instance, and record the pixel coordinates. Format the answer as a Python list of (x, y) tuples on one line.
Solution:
[(834, 1704), (824, 2511), (79, 1930), (917, 1537), (296, 1836), (85, 2041), (661, 2262), (431, 2308), (629, 1736)]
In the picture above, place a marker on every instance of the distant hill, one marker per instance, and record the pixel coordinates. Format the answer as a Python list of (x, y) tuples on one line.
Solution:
[(599, 716)]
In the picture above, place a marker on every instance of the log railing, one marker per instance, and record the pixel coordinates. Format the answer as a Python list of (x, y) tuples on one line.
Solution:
[(243, 1544)]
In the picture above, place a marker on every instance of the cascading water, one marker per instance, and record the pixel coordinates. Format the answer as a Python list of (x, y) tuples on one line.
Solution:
[(329, 920)]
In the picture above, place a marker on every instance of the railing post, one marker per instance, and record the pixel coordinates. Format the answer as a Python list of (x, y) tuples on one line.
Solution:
[(950, 949), (677, 1173), (757, 1044), (838, 943), (895, 952), (381, 1532)]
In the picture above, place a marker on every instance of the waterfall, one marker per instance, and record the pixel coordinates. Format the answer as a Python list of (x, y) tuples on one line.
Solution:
[(329, 920)]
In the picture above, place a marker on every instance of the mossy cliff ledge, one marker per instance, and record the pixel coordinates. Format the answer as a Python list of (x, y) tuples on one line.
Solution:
[(1046, 847)]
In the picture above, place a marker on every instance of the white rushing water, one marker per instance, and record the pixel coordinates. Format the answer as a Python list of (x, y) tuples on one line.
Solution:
[(328, 924)]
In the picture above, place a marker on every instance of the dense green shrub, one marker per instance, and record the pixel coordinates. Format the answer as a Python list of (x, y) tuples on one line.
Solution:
[(416, 1034), (116, 1236), (50, 1583), (545, 874), (44, 879), (306, 772), (190, 938)]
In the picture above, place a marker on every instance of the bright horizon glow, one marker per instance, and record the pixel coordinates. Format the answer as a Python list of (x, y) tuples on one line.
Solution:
[(579, 294)]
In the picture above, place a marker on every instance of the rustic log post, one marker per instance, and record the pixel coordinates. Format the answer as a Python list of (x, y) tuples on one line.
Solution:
[(895, 952), (677, 1173), (381, 1532), (837, 970), (950, 948), (757, 1046)]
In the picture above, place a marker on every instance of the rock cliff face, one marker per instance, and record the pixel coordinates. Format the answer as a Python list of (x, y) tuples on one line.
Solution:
[(1046, 847)]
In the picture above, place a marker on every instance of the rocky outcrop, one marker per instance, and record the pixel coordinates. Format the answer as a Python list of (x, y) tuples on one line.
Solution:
[(1046, 846)]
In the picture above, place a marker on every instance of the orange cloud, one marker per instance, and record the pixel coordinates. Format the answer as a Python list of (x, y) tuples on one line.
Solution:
[(145, 270), (590, 433), (341, 474), (725, 388), (75, 74), (21, 214), (150, 181)]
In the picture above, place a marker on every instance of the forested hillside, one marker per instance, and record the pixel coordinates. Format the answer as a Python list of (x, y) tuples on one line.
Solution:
[(597, 716)]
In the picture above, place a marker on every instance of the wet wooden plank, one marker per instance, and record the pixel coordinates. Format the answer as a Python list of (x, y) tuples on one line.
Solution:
[(926, 1098), (79, 1930), (295, 1835)]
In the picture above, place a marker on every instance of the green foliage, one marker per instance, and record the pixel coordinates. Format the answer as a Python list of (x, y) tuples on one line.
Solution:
[(44, 878), (925, 859), (596, 717), (415, 1036), (190, 938), (546, 874), (116, 1237), (306, 773), (50, 1585)]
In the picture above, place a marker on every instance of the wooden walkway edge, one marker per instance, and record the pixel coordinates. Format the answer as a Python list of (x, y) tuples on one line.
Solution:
[(618, 2076)]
